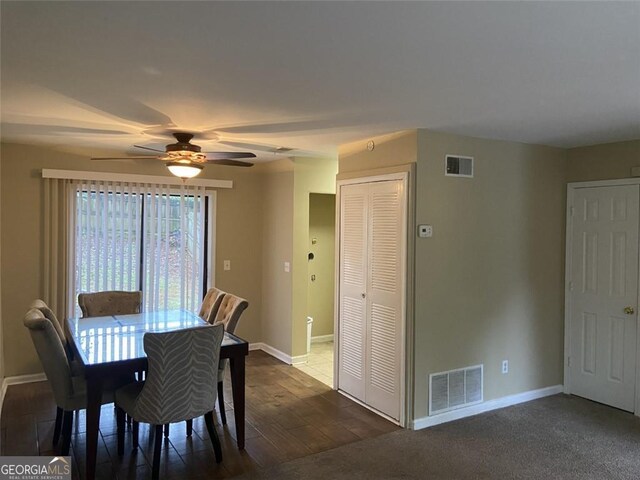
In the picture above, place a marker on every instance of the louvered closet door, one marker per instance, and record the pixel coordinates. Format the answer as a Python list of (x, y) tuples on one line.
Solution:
[(371, 312), (384, 300), (353, 271)]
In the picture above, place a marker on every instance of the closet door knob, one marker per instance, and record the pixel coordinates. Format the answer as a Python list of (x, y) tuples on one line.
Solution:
[(364, 295), (629, 310)]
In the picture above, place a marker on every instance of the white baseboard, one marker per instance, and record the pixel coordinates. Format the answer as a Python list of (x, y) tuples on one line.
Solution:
[(274, 352), (3, 392), (20, 379), (322, 338), (487, 406)]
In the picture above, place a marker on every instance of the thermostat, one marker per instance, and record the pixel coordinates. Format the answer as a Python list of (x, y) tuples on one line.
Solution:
[(425, 231)]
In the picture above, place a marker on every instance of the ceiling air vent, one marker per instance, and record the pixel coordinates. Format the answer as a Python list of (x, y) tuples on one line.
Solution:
[(458, 166), (455, 389)]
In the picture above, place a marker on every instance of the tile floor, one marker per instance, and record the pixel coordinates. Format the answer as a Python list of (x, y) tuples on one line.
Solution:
[(320, 363)]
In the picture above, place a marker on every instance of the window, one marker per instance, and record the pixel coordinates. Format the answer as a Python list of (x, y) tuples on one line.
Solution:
[(143, 237)]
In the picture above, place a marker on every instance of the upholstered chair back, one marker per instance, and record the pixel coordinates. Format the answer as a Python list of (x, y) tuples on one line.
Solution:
[(52, 356), (48, 313), (113, 302), (210, 304), (182, 373), (229, 312)]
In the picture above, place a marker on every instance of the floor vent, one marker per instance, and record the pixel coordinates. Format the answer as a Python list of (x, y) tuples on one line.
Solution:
[(455, 389)]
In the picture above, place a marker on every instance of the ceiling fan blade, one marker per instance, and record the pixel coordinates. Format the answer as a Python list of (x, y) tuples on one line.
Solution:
[(124, 158), (231, 163), (224, 155), (250, 146), (149, 148)]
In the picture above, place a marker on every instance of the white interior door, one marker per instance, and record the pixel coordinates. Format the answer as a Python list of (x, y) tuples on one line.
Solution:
[(371, 293), (604, 294), (385, 295), (352, 288)]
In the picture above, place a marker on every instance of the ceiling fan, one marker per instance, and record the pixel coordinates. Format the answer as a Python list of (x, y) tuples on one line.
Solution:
[(186, 160)]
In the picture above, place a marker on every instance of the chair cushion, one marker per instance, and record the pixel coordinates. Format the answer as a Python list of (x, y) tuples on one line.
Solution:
[(126, 397), (78, 400)]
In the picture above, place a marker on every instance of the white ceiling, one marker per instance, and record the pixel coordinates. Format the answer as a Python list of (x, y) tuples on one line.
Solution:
[(314, 75)]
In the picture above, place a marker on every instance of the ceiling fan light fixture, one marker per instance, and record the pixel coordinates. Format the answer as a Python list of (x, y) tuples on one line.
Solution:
[(184, 170), (186, 155)]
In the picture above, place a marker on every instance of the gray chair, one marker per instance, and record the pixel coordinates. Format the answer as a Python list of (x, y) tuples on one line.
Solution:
[(180, 385), (210, 304), (69, 392), (228, 314), (76, 366), (114, 302)]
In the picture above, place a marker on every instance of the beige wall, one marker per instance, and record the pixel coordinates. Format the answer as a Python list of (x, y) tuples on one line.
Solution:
[(277, 248), (1, 328), (603, 162), (489, 283), (320, 293), (239, 225), (311, 175), (398, 148)]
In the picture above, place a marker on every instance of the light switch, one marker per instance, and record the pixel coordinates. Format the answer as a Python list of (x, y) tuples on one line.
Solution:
[(227, 264), (287, 267), (425, 231)]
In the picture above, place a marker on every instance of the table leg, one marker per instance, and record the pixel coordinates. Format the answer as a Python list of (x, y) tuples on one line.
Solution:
[(237, 386), (94, 402)]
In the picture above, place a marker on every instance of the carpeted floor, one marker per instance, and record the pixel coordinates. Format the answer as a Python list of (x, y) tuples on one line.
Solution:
[(559, 437)]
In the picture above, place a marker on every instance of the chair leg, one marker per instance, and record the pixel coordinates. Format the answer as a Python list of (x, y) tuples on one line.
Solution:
[(166, 430), (157, 448), (67, 424), (58, 426), (215, 441), (120, 428), (189, 427), (223, 414), (136, 431)]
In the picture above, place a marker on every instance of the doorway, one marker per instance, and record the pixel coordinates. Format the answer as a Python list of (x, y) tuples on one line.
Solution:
[(602, 293), (320, 287)]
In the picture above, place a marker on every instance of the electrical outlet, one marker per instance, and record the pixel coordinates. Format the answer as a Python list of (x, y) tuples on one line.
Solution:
[(287, 267), (227, 264), (505, 366)]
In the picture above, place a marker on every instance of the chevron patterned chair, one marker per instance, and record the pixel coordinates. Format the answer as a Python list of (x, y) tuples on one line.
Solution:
[(180, 385), (113, 302)]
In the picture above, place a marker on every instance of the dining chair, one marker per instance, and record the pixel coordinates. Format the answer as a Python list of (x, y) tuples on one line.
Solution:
[(75, 365), (228, 314), (69, 392), (113, 302), (210, 303), (179, 385)]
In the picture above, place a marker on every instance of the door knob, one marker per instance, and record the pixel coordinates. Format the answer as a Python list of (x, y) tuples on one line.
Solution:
[(629, 310), (364, 295)]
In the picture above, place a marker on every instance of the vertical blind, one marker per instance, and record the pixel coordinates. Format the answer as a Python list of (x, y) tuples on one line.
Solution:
[(133, 236)]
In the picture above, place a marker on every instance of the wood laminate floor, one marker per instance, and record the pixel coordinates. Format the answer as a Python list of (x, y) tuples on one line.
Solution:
[(289, 415)]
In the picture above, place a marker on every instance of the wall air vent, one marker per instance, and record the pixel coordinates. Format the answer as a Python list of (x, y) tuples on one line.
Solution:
[(455, 389), (458, 166)]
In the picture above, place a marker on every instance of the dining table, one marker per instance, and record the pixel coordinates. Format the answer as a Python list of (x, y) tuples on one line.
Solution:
[(112, 346)]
